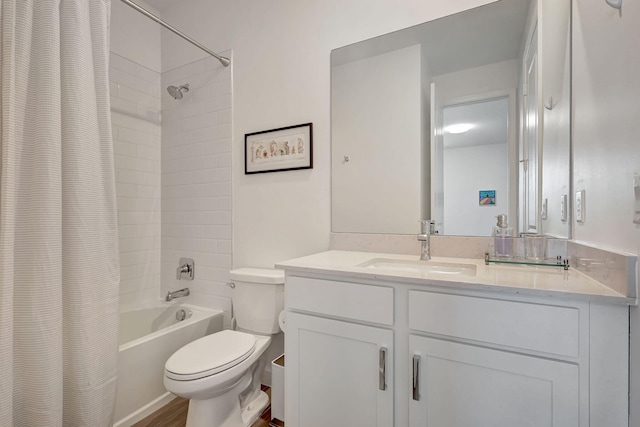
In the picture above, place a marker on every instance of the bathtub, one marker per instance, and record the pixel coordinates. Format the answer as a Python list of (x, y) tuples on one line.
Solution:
[(148, 337)]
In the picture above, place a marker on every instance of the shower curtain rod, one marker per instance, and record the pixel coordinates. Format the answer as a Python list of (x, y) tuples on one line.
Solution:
[(223, 60)]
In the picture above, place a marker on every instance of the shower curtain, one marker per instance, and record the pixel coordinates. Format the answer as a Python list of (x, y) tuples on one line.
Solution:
[(59, 271)]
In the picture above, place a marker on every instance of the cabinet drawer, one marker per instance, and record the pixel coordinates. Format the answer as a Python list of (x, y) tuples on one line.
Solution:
[(347, 300), (536, 327)]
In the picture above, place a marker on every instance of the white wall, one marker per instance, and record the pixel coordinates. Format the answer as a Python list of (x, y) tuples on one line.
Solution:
[(281, 77), (196, 181), (606, 126), (376, 103), (135, 105), (606, 130), (135, 36)]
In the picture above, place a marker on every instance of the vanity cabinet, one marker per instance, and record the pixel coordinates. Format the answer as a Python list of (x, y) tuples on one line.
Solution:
[(344, 372), (459, 385), (341, 372), (380, 353), (503, 371)]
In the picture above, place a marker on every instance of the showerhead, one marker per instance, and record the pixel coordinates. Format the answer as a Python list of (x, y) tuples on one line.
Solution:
[(176, 92)]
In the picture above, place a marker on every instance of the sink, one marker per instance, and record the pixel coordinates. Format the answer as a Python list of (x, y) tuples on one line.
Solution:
[(420, 267)]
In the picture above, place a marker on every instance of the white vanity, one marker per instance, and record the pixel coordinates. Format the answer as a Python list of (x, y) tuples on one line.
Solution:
[(386, 340)]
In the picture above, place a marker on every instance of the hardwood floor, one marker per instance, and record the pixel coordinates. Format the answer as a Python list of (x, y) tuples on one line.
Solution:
[(174, 414)]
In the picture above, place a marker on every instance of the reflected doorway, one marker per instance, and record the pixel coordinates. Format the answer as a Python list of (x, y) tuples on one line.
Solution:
[(475, 166)]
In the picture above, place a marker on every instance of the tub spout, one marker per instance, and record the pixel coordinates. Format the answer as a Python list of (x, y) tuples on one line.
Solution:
[(177, 294)]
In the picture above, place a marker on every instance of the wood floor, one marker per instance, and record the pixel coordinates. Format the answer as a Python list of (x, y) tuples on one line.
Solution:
[(174, 414)]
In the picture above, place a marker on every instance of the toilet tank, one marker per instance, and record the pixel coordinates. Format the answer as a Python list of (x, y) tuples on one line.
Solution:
[(258, 298)]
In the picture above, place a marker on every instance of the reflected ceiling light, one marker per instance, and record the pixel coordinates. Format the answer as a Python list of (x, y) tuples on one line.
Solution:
[(458, 128)]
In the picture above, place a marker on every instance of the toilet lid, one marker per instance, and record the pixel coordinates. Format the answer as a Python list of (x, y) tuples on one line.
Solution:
[(209, 355)]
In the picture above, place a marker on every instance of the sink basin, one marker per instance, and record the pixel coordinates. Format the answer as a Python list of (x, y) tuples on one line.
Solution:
[(420, 267)]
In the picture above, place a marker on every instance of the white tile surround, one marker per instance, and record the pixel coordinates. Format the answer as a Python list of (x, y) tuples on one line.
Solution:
[(173, 177), (196, 181), (135, 118)]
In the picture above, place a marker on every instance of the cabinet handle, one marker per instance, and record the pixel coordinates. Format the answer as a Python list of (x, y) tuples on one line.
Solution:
[(416, 377), (382, 374)]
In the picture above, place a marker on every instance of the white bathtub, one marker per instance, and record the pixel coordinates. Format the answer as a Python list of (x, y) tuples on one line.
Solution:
[(147, 338)]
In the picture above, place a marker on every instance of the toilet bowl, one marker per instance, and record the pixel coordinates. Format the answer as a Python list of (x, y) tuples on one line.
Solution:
[(220, 373)]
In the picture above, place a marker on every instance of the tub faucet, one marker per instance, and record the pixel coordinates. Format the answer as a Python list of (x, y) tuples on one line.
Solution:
[(177, 294), (427, 228)]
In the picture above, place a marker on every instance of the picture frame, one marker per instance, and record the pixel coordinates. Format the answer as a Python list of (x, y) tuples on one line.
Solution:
[(282, 149), (487, 197)]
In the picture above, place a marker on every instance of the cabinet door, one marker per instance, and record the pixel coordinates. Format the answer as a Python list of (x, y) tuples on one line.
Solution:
[(462, 385), (337, 374)]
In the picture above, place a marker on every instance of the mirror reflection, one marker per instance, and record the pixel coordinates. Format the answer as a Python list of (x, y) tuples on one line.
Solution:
[(456, 120), (475, 147)]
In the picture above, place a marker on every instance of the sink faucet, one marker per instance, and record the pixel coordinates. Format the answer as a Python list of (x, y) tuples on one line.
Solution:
[(177, 294), (427, 228)]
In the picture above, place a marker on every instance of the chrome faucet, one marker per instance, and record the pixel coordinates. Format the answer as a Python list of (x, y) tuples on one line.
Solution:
[(427, 228), (186, 267), (182, 269), (177, 294)]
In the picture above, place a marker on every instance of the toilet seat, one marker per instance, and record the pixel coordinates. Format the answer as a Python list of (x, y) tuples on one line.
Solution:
[(210, 355)]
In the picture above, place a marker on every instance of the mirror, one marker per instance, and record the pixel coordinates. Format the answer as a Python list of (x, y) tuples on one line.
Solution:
[(457, 120)]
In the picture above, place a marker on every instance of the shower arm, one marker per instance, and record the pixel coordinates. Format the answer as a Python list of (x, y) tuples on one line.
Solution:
[(223, 60)]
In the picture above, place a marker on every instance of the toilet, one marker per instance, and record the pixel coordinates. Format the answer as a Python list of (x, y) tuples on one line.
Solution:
[(220, 373)]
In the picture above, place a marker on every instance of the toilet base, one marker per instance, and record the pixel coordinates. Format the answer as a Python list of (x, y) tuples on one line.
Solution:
[(254, 409), (225, 412)]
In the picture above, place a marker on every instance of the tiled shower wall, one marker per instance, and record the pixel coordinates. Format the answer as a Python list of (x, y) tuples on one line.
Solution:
[(196, 181), (135, 117), (173, 179)]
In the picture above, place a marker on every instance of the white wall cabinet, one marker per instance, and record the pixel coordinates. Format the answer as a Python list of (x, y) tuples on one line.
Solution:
[(453, 358)]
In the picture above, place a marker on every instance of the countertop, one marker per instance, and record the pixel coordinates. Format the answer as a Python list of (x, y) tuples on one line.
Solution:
[(503, 278)]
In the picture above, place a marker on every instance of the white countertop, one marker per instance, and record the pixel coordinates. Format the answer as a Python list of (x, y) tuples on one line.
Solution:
[(504, 278)]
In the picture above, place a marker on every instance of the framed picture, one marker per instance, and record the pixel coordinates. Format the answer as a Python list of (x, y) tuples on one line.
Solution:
[(487, 197), (281, 149)]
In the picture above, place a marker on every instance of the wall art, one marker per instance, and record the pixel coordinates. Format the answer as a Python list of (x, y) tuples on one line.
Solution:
[(282, 149), (487, 197)]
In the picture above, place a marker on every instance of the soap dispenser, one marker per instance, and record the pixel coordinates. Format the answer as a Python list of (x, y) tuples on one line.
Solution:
[(503, 238)]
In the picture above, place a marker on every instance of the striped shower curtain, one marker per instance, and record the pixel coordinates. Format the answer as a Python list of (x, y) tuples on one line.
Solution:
[(59, 271)]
